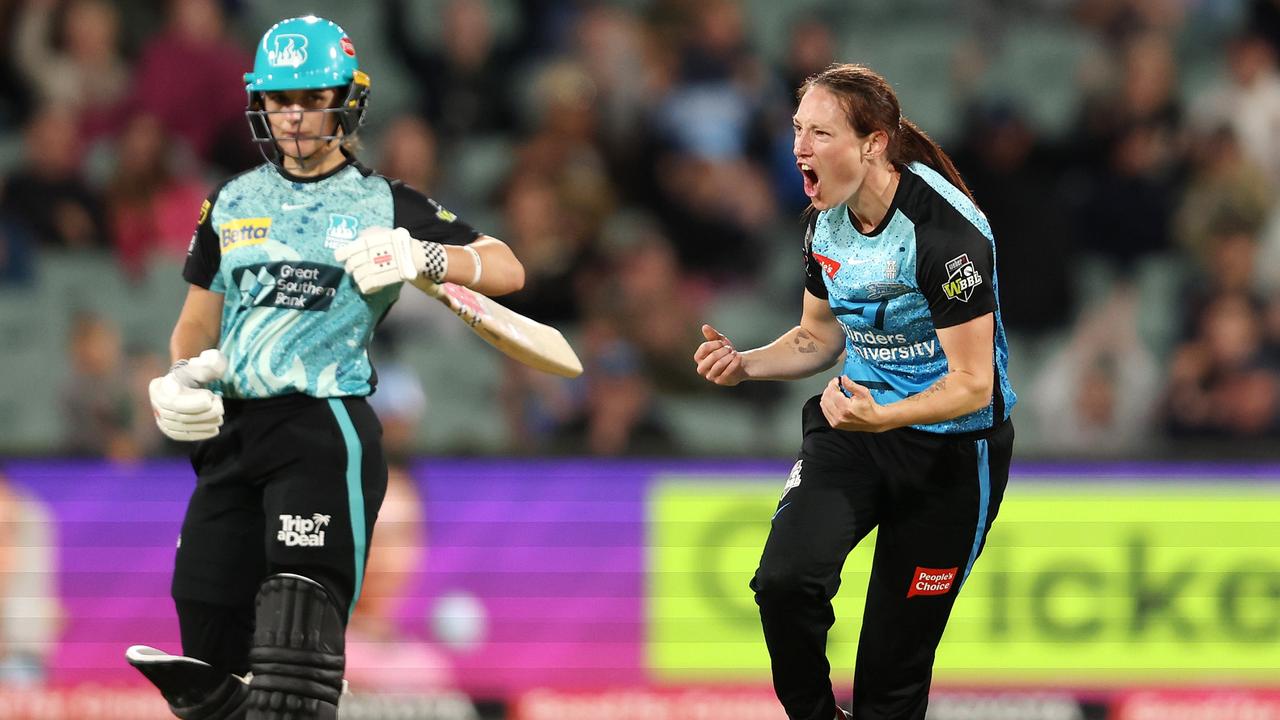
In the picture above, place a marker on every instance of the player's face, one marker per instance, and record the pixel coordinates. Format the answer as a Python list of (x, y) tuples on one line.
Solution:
[(296, 120), (828, 151)]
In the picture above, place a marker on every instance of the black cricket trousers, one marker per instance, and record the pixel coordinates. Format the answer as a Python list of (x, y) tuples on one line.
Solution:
[(934, 498), (291, 484)]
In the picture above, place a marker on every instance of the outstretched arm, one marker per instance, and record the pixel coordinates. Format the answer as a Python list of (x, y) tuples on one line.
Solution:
[(808, 348)]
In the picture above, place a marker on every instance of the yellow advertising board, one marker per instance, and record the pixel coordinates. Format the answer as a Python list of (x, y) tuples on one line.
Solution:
[(1100, 583)]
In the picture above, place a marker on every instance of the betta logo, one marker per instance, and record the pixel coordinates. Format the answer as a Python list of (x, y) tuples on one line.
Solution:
[(243, 232)]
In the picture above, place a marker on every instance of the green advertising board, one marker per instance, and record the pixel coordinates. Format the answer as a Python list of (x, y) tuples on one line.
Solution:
[(1100, 583)]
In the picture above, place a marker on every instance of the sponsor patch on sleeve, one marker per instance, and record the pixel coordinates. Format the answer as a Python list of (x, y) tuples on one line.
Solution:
[(962, 278)]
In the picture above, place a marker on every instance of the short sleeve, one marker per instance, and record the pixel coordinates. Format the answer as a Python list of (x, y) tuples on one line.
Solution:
[(204, 256), (955, 269), (812, 270), (426, 219)]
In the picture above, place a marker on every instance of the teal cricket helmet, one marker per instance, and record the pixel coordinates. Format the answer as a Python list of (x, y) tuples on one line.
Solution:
[(306, 53)]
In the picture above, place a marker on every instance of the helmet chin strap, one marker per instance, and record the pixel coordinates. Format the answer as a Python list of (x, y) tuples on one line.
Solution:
[(312, 160)]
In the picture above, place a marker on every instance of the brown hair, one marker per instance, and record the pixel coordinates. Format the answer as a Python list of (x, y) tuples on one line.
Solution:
[(870, 104)]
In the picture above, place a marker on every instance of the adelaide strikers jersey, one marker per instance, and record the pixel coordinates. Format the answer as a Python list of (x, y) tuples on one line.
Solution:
[(929, 264), (293, 321)]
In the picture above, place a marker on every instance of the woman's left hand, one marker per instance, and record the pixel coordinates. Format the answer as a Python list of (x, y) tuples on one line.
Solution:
[(857, 411)]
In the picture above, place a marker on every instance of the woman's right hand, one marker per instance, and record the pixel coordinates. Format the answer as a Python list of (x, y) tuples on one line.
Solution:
[(717, 359)]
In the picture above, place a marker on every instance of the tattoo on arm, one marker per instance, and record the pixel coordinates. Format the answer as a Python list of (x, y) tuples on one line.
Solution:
[(804, 343), (934, 388)]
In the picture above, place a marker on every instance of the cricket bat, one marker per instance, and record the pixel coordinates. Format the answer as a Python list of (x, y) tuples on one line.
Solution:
[(539, 346)]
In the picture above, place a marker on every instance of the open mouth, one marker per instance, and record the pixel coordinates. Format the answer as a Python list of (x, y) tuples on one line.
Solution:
[(810, 179)]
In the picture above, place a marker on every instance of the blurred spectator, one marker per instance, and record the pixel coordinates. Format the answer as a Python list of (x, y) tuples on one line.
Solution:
[(610, 48), (409, 153), (48, 192), (710, 188), (1126, 213), (536, 404), (30, 613), (69, 53), (99, 412), (17, 262), (811, 47), (141, 366), (462, 86), (1138, 87), (1118, 20), (15, 93), (656, 306), (190, 77), (1226, 266), (1264, 17), (1098, 395), (1224, 188), (1015, 178), (1247, 101), (149, 200), (541, 230), (618, 415), (385, 655), (1225, 381)]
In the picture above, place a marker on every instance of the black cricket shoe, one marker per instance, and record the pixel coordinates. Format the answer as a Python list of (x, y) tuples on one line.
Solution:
[(193, 688)]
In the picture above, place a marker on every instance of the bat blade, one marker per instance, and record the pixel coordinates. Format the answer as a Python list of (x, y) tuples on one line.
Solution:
[(539, 346)]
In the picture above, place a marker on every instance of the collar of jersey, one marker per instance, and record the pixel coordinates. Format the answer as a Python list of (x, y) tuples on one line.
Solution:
[(898, 194), (298, 179)]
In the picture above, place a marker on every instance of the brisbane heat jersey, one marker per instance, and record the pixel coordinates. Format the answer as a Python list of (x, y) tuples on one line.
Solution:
[(292, 320), (929, 264)]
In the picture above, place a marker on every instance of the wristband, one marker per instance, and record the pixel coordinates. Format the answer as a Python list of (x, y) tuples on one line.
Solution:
[(475, 257)]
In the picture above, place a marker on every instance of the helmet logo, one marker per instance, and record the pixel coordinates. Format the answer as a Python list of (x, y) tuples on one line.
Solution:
[(290, 51), (348, 47)]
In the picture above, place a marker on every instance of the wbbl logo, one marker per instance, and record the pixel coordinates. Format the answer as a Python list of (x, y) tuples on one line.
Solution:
[(962, 278), (297, 531)]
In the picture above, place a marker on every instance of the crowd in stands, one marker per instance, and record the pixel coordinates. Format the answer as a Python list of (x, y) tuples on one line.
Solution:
[(644, 170)]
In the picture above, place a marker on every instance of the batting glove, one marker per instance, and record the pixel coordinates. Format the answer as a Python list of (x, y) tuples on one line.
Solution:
[(381, 256), (184, 409)]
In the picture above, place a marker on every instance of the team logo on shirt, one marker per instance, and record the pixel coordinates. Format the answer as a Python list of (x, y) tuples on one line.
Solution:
[(342, 230), (829, 266), (243, 232), (932, 581), (204, 212), (962, 278), (290, 50)]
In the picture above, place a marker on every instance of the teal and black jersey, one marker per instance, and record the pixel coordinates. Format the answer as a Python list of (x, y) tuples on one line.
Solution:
[(930, 264), (292, 320)]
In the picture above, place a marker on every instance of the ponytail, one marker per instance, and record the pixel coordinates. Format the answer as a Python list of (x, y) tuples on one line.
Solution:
[(913, 145)]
